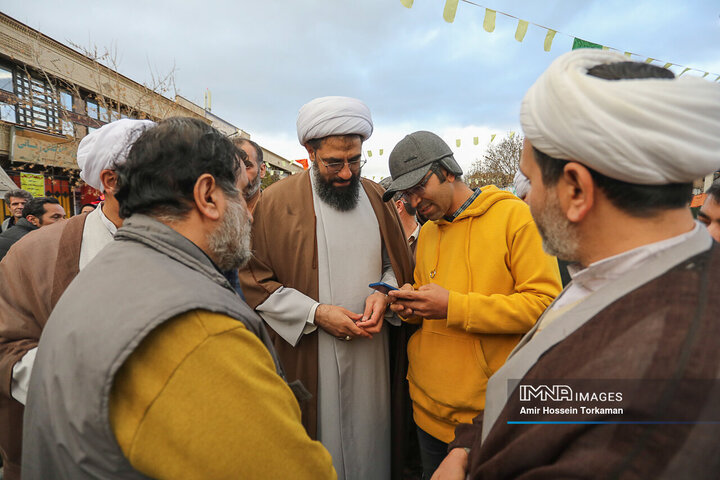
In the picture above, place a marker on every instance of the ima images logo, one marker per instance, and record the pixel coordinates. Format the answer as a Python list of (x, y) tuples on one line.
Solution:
[(555, 393)]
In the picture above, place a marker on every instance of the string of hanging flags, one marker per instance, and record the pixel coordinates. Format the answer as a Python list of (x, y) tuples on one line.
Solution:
[(450, 10), (458, 143)]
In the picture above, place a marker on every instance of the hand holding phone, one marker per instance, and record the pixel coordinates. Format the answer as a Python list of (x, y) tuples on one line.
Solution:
[(382, 287)]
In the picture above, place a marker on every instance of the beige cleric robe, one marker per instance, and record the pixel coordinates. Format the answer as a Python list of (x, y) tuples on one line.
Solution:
[(286, 255), (33, 276)]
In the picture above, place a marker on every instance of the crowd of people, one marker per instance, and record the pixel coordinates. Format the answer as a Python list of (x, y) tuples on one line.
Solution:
[(194, 325)]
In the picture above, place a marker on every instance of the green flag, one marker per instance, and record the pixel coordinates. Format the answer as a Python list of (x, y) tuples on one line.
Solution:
[(580, 43)]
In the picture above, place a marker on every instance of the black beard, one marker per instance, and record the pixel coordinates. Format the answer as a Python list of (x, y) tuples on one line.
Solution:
[(340, 198)]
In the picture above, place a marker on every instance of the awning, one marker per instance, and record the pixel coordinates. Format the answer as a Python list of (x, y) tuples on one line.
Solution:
[(6, 183)]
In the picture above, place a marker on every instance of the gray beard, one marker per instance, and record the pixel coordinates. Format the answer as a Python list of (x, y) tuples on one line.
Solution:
[(253, 188), (229, 244), (343, 199), (559, 237)]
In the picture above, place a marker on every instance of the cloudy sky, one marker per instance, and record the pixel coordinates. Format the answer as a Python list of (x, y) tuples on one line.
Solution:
[(264, 59)]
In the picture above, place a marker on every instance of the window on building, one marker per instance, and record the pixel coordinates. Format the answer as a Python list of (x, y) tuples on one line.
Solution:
[(6, 79), (7, 110), (92, 109), (38, 105), (66, 101)]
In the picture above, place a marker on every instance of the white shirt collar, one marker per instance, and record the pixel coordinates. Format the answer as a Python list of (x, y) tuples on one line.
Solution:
[(108, 224), (598, 274), (415, 233)]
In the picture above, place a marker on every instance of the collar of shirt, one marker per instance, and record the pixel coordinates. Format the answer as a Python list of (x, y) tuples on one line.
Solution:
[(106, 221), (467, 203), (588, 280), (413, 236)]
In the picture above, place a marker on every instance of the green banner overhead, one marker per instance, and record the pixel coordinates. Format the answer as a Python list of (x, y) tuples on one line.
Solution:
[(580, 43)]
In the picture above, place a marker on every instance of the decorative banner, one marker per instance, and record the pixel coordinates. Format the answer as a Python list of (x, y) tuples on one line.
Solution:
[(33, 183), (512, 134), (489, 23), (521, 30), (457, 142), (580, 43), (549, 39), (381, 152), (450, 10), (304, 163), (686, 69), (492, 137), (475, 140), (369, 153)]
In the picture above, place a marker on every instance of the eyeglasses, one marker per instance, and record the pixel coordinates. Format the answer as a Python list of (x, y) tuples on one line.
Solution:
[(334, 167), (419, 189)]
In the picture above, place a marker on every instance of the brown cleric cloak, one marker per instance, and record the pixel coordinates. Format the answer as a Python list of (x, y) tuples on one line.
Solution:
[(658, 345), (33, 276), (285, 254)]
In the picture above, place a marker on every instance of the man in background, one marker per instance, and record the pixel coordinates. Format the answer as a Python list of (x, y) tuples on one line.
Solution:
[(406, 212), (255, 167), (709, 213), (37, 212), (15, 201)]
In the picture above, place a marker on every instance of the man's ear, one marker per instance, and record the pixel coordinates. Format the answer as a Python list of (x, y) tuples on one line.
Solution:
[(208, 197), (311, 152), (262, 170), (576, 191), (399, 206), (109, 178), (33, 219)]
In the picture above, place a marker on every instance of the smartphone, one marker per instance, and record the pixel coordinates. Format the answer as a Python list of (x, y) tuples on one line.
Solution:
[(382, 287)]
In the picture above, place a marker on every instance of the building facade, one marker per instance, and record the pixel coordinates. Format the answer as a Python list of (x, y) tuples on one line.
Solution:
[(52, 95)]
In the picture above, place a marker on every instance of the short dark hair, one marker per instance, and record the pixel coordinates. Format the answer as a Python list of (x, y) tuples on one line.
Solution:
[(714, 190), (258, 149), (36, 206), (18, 193), (164, 163), (633, 199)]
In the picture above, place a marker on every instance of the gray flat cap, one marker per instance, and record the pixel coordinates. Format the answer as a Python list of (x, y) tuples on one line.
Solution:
[(413, 156)]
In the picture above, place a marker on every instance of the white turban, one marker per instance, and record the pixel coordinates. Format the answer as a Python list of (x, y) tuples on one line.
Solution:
[(107, 147), (642, 131), (521, 184), (333, 116)]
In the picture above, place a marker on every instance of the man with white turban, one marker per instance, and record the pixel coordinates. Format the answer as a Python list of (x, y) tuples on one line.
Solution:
[(38, 269), (320, 238), (619, 378)]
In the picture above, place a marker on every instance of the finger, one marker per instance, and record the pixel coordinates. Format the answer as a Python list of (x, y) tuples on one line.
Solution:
[(377, 327), (403, 294), (369, 303), (351, 315), (356, 331)]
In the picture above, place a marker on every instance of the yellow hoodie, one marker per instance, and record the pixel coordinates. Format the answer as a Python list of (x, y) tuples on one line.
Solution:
[(500, 280)]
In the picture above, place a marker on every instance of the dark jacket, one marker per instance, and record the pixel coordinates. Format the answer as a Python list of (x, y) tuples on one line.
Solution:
[(21, 228)]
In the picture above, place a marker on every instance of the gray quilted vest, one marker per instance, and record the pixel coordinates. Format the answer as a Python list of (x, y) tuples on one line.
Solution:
[(148, 275)]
